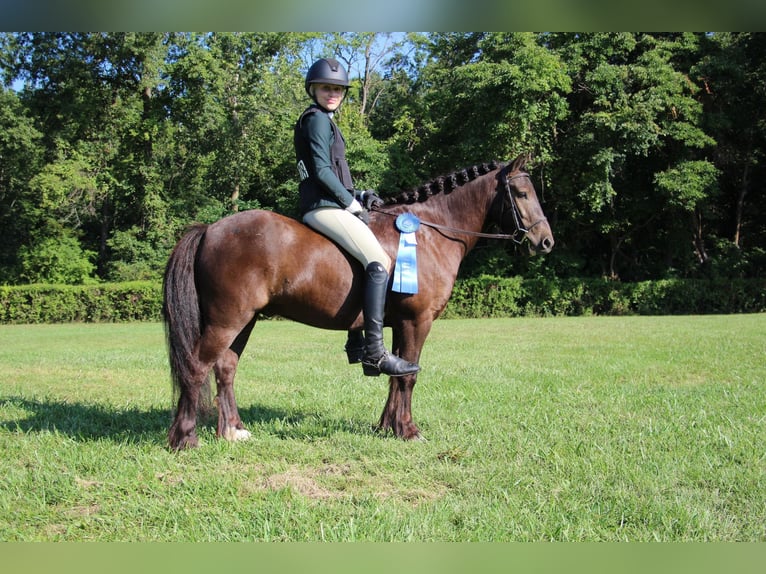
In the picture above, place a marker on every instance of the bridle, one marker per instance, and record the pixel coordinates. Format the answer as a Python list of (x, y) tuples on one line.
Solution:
[(518, 235), (516, 213)]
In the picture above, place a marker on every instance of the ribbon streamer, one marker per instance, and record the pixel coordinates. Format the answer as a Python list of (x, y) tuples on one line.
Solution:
[(406, 268)]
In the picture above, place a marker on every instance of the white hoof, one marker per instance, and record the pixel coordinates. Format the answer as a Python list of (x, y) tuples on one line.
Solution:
[(234, 434)]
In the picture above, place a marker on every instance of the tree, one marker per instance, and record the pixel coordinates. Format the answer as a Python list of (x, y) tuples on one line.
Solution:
[(232, 95), (91, 95), (634, 124), (648, 147), (143, 131), (20, 156), (490, 96), (731, 69), (481, 97), (366, 53)]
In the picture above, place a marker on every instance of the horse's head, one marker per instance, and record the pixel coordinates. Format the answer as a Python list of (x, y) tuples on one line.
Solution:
[(520, 211)]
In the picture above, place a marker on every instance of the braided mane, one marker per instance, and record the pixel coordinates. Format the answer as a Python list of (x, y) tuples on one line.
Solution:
[(443, 184)]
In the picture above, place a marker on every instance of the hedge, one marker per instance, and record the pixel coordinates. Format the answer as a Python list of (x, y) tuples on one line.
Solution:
[(488, 296), (485, 296), (106, 302)]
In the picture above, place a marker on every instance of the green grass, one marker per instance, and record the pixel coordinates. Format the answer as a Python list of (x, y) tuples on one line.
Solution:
[(571, 429)]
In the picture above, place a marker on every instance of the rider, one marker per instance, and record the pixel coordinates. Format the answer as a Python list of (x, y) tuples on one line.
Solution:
[(330, 205)]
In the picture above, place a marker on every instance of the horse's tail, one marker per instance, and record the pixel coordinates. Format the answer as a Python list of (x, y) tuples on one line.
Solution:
[(180, 307)]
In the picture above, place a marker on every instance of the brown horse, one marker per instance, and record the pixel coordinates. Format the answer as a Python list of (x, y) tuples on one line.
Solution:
[(221, 276)]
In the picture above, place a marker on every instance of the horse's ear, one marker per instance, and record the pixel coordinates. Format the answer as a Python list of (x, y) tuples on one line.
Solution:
[(520, 162)]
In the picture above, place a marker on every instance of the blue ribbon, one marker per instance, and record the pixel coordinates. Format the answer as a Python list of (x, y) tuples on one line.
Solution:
[(406, 269)]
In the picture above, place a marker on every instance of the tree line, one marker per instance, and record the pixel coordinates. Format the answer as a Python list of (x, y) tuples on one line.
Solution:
[(648, 147)]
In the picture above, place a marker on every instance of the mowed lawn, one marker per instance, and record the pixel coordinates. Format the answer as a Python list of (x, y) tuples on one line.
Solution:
[(570, 429)]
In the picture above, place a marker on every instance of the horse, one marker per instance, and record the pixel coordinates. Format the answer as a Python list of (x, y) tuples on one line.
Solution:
[(221, 277)]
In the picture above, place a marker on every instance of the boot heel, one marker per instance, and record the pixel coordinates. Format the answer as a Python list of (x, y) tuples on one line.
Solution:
[(370, 370)]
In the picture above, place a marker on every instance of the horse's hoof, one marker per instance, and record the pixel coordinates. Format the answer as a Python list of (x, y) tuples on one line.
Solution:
[(183, 443), (234, 434)]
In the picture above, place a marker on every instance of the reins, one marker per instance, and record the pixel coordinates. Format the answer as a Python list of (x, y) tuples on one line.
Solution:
[(516, 220)]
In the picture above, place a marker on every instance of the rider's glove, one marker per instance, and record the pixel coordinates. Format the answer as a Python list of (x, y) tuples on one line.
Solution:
[(369, 198)]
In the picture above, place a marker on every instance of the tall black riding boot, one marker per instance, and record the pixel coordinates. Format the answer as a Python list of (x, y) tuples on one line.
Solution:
[(376, 359)]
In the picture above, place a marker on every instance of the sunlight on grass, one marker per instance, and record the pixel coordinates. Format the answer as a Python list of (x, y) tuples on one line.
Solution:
[(633, 428)]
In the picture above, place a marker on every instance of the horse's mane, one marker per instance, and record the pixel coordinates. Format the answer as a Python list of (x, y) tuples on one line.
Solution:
[(443, 184)]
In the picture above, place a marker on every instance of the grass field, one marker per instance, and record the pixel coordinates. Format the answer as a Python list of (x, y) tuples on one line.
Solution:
[(571, 429)]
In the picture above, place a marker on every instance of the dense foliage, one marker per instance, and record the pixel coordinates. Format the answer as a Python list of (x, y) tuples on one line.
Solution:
[(649, 147)]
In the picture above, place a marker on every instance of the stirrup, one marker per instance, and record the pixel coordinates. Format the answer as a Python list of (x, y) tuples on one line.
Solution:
[(376, 367)]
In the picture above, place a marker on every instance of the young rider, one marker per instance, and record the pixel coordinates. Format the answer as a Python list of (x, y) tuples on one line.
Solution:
[(329, 205)]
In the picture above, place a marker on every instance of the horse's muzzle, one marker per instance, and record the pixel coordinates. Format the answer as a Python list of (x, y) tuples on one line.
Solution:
[(545, 245)]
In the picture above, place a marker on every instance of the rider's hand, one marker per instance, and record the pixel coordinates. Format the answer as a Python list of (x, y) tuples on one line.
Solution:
[(355, 207), (370, 199)]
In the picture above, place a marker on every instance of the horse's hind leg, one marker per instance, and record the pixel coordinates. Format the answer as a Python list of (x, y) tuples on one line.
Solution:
[(229, 422), (182, 433), (230, 425), (211, 350)]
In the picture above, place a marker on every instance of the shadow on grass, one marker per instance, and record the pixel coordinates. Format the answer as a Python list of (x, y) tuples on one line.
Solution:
[(84, 421)]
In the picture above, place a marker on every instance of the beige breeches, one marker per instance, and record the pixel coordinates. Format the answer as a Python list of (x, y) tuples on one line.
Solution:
[(350, 232)]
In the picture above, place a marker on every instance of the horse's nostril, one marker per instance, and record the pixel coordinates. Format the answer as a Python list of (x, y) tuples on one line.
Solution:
[(547, 243)]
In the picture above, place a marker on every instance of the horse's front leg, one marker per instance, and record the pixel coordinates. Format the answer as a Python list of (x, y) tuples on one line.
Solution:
[(407, 342), (229, 422), (397, 414)]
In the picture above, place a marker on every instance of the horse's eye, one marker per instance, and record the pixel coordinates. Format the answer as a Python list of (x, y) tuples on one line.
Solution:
[(522, 194)]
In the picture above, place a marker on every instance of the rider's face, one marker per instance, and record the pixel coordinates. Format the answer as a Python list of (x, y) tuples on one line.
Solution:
[(329, 96)]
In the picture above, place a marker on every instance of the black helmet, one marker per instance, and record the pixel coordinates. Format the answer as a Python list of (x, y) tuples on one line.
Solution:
[(326, 71)]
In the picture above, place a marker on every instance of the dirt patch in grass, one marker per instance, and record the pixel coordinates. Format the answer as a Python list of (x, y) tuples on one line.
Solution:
[(303, 482), (339, 481)]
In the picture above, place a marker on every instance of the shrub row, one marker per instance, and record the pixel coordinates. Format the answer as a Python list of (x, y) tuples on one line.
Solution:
[(488, 296), (113, 302), (484, 296)]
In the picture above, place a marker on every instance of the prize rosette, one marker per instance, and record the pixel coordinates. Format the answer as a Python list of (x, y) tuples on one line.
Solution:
[(407, 223)]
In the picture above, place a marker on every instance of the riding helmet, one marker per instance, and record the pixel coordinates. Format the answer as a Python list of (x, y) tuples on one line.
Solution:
[(326, 71)]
